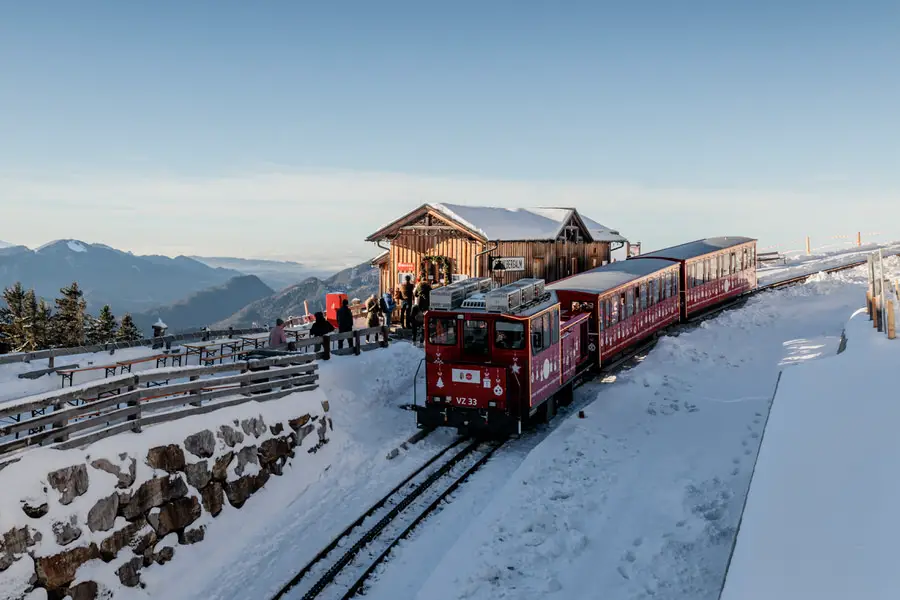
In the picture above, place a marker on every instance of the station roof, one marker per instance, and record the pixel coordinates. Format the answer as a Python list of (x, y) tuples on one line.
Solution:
[(610, 276), (506, 224), (697, 247)]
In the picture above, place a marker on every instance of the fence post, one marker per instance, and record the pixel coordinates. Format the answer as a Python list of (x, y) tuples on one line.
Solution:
[(878, 324), (807, 246), (59, 424), (891, 329), (326, 346), (357, 341), (50, 361), (385, 333), (136, 427), (869, 304), (194, 392), (245, 383)]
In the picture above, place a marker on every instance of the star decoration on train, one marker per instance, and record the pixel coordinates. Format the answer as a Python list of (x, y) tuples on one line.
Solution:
[(515, 368)]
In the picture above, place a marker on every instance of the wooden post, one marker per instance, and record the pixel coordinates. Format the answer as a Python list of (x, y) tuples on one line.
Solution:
[(385, 333), (194, 392), (807, 246), (869, 304), (50, 361), (878, 324), (891, 329), (326, 346), (859, 238), (135, 417), (357, 342)]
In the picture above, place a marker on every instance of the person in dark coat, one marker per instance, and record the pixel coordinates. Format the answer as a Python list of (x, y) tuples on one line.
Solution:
[(417, 321), (373, 310), (345, 322), (423, 295), (319, 328), (408, 291)]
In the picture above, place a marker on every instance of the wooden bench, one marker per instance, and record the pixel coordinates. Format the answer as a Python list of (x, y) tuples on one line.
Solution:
[(211, 360), (67, 374), (767, 257)]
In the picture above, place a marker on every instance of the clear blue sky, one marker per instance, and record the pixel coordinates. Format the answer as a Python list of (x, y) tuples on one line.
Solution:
[(176, 126)]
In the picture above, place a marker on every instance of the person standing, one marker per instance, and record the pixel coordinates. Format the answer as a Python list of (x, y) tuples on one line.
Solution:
[(345, 322), (320, 327), (387, 307), (408, 291), (372, 312), (277, 336)]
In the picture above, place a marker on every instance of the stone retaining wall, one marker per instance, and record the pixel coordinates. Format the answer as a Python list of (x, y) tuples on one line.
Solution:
[(130, 511)]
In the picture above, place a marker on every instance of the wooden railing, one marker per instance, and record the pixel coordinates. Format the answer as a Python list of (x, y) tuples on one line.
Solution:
[(111, 406)]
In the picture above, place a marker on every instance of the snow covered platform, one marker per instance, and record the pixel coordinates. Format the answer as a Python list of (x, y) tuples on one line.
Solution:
[(821, 518)]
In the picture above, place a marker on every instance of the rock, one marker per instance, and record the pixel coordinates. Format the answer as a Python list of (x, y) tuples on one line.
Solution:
[(201, 444), (17, 541), (239, 490), (230, 436), (166, 458), (325, 405), (35, 508), (192, 536), (220, 468), (144, 541), (70, 482), (58, 571), (86, 590), (175, 515), (102, 516), (152, 493), (198, 474), (247, 455), (273, 449), (130, 573), (213, 497), (277, 428), (299, 422), (164, 555), (111, 546), (321, 430), (126, 479), (254, 425), (303, 432), (66, 532)]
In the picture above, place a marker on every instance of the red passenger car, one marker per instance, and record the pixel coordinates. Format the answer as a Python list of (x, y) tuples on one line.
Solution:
[(496, 359), (628, 301), (713, 270)]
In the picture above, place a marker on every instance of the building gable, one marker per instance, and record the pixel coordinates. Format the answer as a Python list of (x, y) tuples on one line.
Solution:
[(426, 221)]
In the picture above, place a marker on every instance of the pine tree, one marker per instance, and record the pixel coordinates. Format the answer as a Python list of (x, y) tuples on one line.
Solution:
[(42, 325), (128, 331), (102, 330), (68, 323), (12, 317), (29, 322)]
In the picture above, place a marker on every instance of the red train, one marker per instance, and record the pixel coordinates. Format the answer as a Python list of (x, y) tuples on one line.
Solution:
[(498, 359)]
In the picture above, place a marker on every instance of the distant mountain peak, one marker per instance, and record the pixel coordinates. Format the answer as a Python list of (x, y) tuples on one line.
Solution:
[(5, 244), (72, 245)]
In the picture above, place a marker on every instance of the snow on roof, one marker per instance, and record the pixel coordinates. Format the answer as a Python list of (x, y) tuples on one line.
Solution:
[(380, 257), (610, 276), (159, 323), (602, 233), (494, 223), (699, 247)]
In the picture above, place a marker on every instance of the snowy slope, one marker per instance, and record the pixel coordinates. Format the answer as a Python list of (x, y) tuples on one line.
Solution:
[(821, 518), (641, 498), (5, 244)]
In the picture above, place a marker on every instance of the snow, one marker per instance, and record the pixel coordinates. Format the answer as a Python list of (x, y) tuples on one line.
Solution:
[(601, 233), (76, 246), (159, 323), (5, 244), (510, 224), (821, 519)]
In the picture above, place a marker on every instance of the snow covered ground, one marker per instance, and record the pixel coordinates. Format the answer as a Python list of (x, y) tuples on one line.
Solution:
[(821, 516), (801, 264)]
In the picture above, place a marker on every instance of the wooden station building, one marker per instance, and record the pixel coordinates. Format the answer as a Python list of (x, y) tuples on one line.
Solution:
[(447, 242)]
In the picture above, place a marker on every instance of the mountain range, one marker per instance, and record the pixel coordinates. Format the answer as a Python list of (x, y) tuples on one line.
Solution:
[(357, 282), (277, 274)]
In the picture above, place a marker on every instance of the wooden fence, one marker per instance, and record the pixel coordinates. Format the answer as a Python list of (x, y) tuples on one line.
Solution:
[(107, 407)]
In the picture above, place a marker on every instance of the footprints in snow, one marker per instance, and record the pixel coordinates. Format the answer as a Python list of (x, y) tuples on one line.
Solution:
[(753, 435)]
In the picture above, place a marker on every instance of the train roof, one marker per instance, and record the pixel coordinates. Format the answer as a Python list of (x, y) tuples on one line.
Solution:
[(611, 276), (697, 247), (549, 300)]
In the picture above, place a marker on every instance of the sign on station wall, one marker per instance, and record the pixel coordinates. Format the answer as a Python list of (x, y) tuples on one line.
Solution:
[(508, 263)]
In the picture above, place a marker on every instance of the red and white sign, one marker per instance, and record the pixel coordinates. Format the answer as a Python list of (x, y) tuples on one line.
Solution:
[(406, 267), (466, 376)]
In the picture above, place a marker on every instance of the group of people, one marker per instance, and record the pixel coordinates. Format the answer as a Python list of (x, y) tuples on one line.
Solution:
[(413, 300)]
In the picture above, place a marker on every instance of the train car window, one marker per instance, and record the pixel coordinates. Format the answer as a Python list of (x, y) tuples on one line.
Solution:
[(732, 267), (554, 325), (629, 304), (442, 331), (753, 256), (614, 312), (643, 296), (475, 337), (509, 335), (707, 265), (602, 312)]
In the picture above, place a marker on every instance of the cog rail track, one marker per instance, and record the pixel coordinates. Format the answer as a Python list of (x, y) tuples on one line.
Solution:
[(342, 568)]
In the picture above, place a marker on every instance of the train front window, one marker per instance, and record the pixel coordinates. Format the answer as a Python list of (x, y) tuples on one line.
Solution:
[(509, 335), (442, 331), (475, 337)]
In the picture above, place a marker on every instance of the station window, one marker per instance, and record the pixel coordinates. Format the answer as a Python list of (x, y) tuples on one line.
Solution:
[(475, 337), (510, 335), (442, 331)]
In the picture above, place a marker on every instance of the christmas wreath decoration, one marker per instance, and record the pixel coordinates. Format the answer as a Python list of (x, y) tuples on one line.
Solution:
[(444, 263)]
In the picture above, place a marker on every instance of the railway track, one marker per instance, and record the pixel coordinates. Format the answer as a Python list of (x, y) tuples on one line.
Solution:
[(342, 568)]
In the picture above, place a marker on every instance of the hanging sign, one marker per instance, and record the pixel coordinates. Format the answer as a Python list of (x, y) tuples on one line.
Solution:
[(512, 263)]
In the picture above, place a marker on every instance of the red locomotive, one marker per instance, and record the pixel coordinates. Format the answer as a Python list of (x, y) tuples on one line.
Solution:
[(498, 359)]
